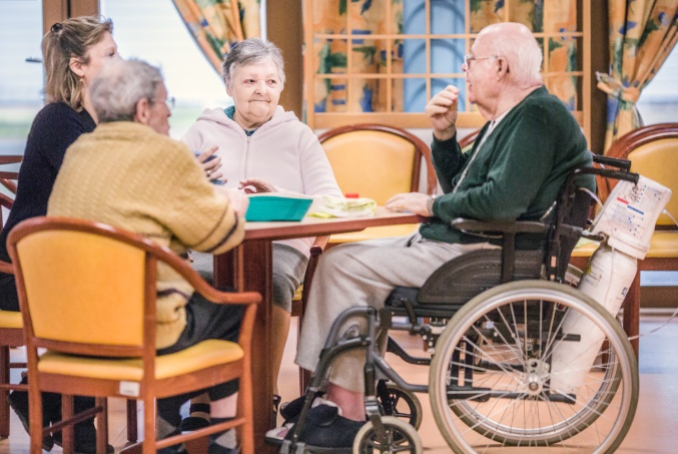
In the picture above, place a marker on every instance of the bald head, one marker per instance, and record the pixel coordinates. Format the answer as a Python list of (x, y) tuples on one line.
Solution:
[(518, 46)]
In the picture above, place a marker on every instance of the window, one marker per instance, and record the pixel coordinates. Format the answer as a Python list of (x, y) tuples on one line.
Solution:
[(21, 79), (381, 61), (658, 102), (153, 31)]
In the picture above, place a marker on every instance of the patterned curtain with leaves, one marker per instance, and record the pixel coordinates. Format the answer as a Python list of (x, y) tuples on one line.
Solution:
[(216, 25), (642, 35), (368, 56), (540, 16)]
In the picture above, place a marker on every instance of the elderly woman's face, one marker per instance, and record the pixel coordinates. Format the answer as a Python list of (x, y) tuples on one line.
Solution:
[(255, 90)]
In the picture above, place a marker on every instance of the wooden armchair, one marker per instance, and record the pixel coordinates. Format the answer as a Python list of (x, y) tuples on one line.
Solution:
[(11, 326), (88, 296), (653, 151)]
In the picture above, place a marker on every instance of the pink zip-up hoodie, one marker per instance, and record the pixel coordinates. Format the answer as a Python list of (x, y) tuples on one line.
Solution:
[(283, 151)]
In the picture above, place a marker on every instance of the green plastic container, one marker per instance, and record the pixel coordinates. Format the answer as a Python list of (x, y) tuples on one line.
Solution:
[(264, 208)]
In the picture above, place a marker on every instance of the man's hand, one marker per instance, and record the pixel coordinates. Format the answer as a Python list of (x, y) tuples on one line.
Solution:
[(256, 185), (414, 202), (237, 199), (210, 163), (442, 111)]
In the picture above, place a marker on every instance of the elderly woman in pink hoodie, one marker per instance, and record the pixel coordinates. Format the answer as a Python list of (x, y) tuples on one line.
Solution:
[(263, 148)]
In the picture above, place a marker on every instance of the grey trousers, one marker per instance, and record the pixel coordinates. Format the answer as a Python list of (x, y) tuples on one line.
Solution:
[(360, 274)]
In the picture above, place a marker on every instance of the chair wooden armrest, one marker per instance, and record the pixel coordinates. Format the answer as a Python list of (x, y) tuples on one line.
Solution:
[(6, 268)]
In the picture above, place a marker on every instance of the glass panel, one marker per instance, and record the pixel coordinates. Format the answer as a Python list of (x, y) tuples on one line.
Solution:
[(562, 54), (414, 94), (330, 56), (414, 56), (447, 17), (367, 95), (447, 55), (540, 41), (566, 88), (21, 81), (440, 84), (152, 30), (414, 16), (560, 16), (528, 13), (485, 12), (329, 16), (369, 56), (331, 95)]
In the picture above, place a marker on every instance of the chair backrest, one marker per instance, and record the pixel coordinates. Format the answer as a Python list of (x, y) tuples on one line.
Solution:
[(653, 151), (96, 281), (377, 161), (8, 182)]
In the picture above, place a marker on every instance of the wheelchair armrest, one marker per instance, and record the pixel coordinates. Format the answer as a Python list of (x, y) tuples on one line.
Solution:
[(513, 227)]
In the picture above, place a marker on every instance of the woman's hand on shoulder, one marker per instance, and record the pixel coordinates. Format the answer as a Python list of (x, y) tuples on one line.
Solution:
[(210, 163), (256, 185)]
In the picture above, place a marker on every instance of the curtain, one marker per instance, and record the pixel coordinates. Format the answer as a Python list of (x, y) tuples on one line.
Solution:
[(642, 35), (216, 25)]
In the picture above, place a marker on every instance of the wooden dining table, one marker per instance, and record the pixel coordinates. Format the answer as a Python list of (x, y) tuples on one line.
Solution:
[(249, 268)]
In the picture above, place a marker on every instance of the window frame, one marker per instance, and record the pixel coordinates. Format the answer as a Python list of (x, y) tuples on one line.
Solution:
[(318, 120)]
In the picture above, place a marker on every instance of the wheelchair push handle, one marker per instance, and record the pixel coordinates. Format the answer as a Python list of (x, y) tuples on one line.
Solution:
[(622, 164)]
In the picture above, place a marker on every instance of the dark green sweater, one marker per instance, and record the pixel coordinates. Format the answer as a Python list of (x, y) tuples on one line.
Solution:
[(518, 172)]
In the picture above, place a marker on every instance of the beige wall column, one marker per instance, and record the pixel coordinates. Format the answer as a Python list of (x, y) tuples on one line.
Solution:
[(58, 10)]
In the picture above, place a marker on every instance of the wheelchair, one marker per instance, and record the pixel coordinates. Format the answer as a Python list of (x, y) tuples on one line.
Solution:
[(495, 322)]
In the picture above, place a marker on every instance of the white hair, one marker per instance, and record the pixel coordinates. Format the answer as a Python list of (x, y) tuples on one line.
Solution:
[(120, 85), (252, 50), (516, 43)]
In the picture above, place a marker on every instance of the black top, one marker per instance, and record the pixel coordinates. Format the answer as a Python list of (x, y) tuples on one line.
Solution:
[(54, 129)]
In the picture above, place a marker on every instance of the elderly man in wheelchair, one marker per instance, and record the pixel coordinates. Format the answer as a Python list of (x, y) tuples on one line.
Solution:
[(497, 377)]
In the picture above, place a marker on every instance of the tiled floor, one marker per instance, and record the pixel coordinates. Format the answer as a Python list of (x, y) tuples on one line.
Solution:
[(653, 430)]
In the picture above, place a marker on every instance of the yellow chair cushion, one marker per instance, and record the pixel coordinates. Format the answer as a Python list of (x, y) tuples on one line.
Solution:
[(664, 244), (11, 319), (585, 248), (373, 233), (201, 356)]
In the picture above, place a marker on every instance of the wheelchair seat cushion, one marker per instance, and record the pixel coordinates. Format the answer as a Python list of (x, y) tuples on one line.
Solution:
[(462, 278)]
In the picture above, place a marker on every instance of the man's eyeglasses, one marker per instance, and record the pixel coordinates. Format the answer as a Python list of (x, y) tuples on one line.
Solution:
[(169, 102), (468, 58)]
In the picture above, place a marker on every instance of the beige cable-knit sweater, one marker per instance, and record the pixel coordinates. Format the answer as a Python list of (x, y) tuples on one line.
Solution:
[(126, 175)]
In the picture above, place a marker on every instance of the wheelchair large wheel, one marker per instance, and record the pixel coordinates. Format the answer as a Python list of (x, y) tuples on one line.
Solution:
[(492, 375), (399, 436)]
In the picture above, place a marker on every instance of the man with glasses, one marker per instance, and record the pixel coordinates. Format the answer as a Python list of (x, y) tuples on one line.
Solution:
[(520, 160), (130, 174)]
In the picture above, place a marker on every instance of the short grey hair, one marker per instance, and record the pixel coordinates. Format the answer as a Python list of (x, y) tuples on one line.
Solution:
[(516, 43), (252, 50), (120, 85)]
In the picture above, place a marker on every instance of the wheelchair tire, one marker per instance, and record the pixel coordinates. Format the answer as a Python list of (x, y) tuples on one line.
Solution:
[(400, 437), (514, 328), (404, 405)]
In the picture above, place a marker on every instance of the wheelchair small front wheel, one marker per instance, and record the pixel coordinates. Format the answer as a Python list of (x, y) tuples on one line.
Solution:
[(533, 363), (398, 436), (402, 404)]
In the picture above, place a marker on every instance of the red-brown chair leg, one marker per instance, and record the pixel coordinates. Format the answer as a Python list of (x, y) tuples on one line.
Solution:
[(632, 312), (132, 433), (4, 392)]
